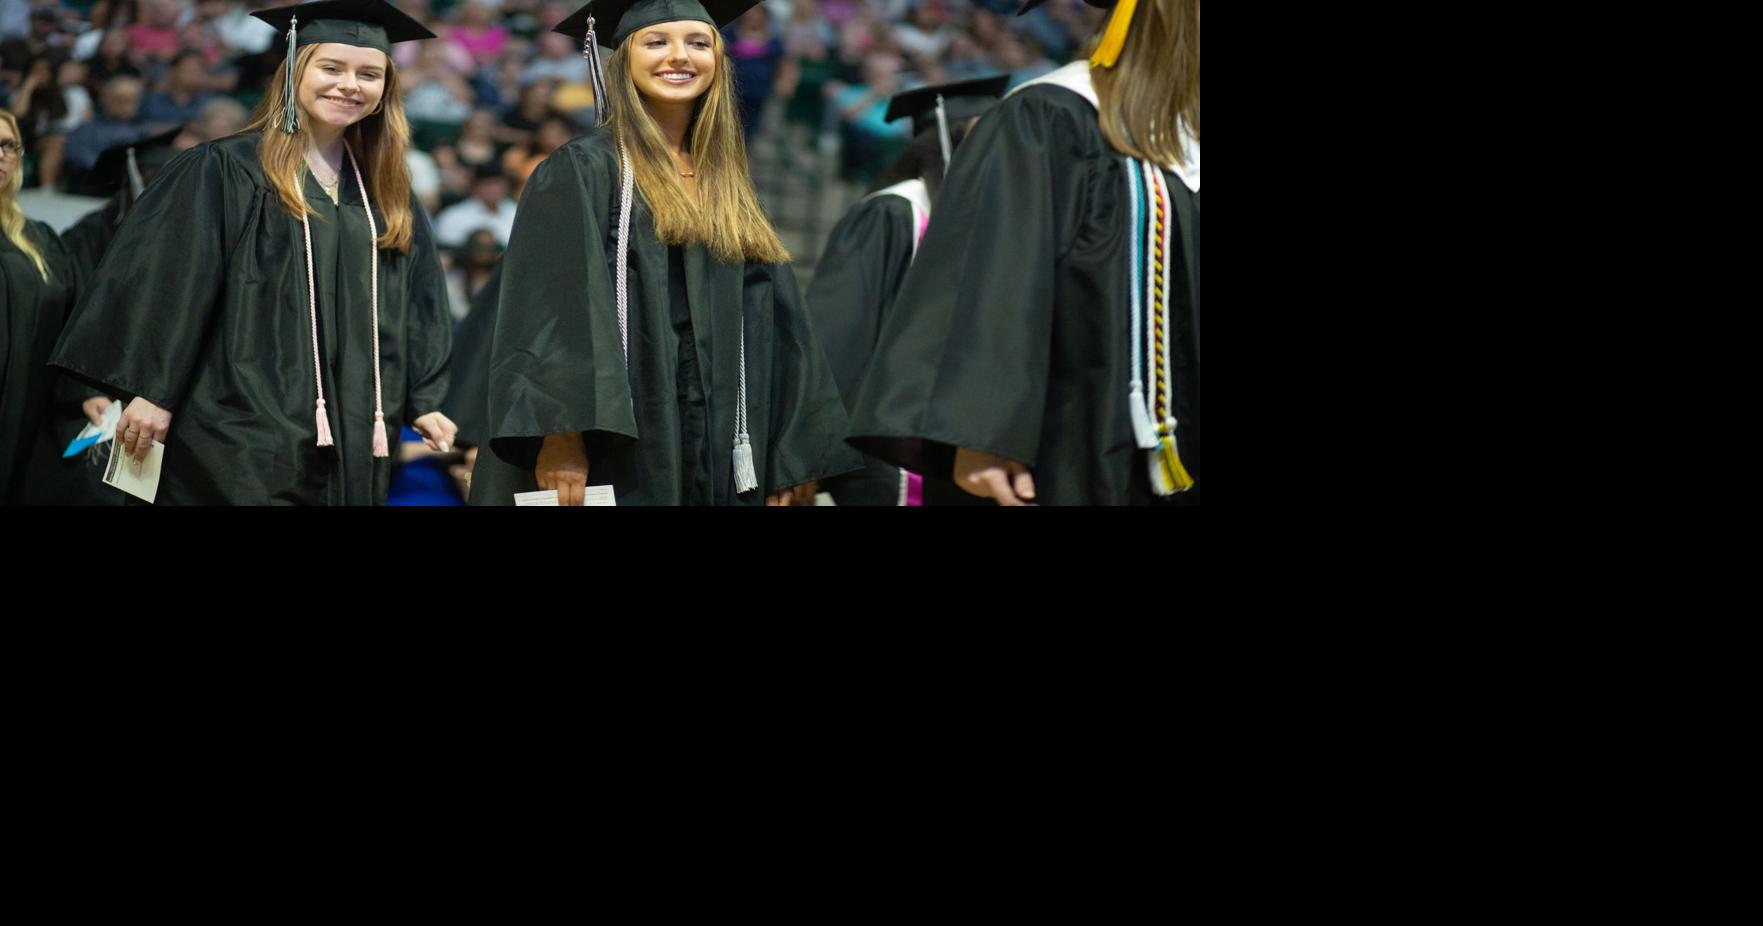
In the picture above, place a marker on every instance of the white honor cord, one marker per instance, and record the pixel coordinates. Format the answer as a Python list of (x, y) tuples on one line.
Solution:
[(1143, 433), (624, 238)]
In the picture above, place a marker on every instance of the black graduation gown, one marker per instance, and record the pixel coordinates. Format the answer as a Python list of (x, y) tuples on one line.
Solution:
[(468, 389), (860, 271), (201, 307), (663, 432), (1010, 333), (32, 313), (79, 480), (88, 239)]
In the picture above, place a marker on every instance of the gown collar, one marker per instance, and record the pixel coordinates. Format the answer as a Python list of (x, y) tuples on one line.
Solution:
[(1076, 78)]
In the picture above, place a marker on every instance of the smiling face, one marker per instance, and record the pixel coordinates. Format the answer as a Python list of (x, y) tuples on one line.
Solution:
[(341, 85), (674, 62)]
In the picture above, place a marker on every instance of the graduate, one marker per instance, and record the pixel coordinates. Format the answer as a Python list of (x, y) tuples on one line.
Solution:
[(865, 261), (37, 285), (1045, 346), (273, 307), (650, 335), (123, 171)]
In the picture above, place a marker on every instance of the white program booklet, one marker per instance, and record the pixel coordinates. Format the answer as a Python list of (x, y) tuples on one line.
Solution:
[(595, 495), (121, 472)]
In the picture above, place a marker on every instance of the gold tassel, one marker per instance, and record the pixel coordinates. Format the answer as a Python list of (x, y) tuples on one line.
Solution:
[(1115, 37), (1174, 475)]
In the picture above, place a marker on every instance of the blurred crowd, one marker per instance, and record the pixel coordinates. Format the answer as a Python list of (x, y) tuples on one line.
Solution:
[(498, 92)]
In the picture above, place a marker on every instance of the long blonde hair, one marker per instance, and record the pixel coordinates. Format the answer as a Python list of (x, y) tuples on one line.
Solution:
[(11, 216), (727, 218), (377, 140), (1156, 83)]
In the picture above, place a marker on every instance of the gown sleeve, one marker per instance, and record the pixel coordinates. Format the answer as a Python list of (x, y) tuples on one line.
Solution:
[(965, 354), (468, 387), (865, 259), (140, 323), (67, 393), (556, 364), (431, 334), (807, 421)]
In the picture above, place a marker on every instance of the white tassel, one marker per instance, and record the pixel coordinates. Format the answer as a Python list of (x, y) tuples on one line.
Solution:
[(1142, 430), (745, 480)]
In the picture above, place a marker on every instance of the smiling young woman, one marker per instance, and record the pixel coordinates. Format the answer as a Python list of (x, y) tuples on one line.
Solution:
[(650, 334), (278, 291)]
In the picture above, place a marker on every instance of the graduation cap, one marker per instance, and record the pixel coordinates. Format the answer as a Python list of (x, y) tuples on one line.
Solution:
[(619, 18), (961, 99), (135, 161), (941, 104), (373, 24), (1113, 38), (610, 22)]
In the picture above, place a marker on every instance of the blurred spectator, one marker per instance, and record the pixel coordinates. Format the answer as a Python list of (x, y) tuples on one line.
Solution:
[(240, 33), (1020, 56), (181, 100), (535, 104), (156, 35), (49, 104), (488, 207), (478, 33), (558, 59), (870, 141), (112, 59), (43, 36), (118, 121), (217, 118), (436, 99), (926, 32), (471, 267), (756, 50), (477, 145), (863, 33), (425, 178), (809, 62), (519, 163)]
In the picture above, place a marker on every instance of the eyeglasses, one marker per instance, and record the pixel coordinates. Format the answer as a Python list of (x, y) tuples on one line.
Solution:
[(10, 149)]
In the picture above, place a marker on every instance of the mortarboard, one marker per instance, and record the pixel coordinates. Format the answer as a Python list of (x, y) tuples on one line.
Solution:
[(372, 24), (134, 161), (941, 104)]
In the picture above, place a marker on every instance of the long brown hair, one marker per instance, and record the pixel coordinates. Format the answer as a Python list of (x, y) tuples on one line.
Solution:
[(377, 140), (727, 218), (11, 216), (1156, 83)]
